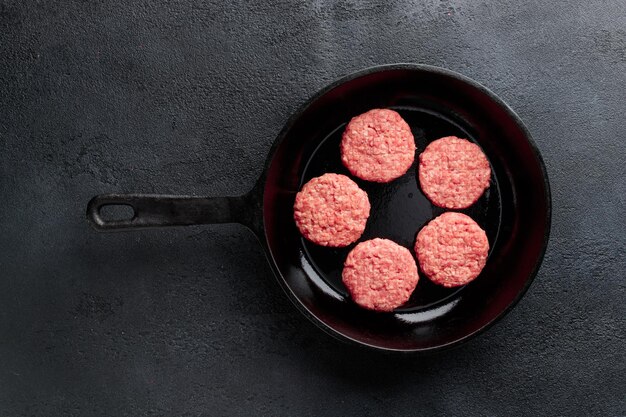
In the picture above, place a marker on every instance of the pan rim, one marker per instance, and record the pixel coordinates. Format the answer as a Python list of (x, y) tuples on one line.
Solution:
[(421, 68)]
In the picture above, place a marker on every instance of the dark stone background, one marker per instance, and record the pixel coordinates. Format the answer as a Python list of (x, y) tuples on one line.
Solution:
[(187, 97)]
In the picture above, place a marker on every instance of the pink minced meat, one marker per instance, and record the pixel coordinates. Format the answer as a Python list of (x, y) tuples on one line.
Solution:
[(452, 249), (331, 210), (378, 146), (453, 172), (380, 274)]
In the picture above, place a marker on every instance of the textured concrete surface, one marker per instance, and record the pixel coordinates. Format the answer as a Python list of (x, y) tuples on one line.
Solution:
[(187, 97)]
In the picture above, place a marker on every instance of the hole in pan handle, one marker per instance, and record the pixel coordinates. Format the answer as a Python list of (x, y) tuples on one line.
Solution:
[(166, 210)]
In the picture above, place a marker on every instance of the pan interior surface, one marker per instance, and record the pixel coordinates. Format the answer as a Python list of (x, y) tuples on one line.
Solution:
[(399, 208), (514, 211)]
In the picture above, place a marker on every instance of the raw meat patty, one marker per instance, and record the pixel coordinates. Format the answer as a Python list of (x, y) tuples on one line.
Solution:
[(331, 210), (452, 249), (453, 172), (378, 146), (380, 274)]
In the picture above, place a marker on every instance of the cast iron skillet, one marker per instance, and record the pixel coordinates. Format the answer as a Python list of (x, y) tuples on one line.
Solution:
[(515, 211)]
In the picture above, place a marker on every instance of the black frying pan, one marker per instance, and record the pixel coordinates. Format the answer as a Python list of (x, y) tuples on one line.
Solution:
[(515, 211)]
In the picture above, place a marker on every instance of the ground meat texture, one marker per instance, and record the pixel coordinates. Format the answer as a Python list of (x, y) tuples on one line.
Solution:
[(331, 210), (452, 249), (378, 146), (380, 274), (453, 172)]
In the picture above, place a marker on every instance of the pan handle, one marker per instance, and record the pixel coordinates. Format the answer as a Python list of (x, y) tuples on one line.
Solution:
[(166, 210)]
